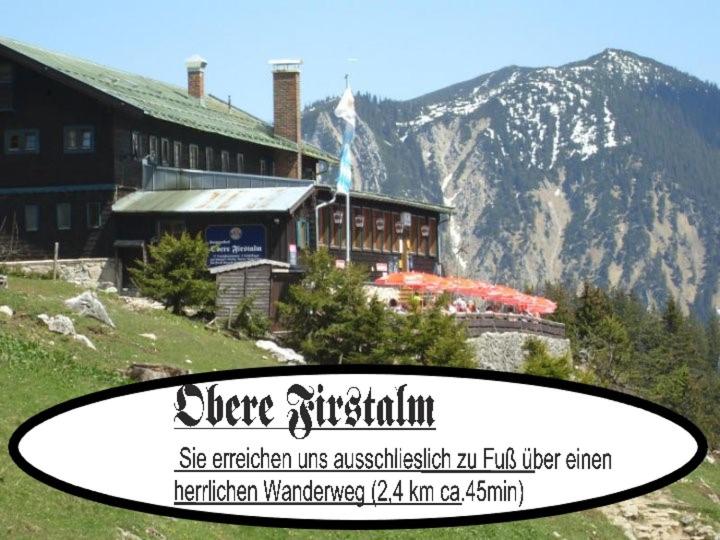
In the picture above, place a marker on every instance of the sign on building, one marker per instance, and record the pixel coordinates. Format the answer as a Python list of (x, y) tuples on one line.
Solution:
[(234, 243)]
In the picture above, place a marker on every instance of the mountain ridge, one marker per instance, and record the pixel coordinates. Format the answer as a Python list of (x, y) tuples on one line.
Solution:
[(603, 169)]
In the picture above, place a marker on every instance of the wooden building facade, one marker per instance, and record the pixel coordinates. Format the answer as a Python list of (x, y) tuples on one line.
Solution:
[(105, 162)]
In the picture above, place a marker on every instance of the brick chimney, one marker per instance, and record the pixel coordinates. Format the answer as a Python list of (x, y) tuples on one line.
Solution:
[(286, 113), (196, 65)]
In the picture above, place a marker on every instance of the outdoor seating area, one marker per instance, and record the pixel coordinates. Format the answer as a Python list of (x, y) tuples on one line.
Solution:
[(469, 295)]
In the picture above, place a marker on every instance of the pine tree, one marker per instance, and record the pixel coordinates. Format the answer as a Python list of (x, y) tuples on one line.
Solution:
[(176, 273)]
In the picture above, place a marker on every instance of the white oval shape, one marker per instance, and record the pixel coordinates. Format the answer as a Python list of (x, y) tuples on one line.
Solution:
[(358, 447)]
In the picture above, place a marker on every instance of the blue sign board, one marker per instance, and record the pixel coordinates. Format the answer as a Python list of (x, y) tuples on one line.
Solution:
[(234, 243)]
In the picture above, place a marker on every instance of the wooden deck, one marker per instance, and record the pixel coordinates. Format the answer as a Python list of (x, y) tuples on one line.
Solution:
[(479, 323)]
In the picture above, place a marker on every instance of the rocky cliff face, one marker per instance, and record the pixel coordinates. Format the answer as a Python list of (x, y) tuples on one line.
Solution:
[(606, 169)]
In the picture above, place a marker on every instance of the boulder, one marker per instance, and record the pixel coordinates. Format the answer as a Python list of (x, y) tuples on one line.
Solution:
[(59, 323), (7, 311), (3, 281), (85, 341), (151, 337), (149, 372), (88, 304)]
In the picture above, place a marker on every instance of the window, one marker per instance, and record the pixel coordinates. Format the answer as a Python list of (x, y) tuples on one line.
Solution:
[(79, 139), (32, 217), (209, 158), (135, 142), (397, 238), (263, 167), (414, 233), (193, 152), (368, 230), (338, 227), (165, 152), (423, 235), (63, 216), (324, 226), (177, 154), (432, 239), (302, 233), (153, 147), (358, 228), (22, 141), (224, 161), (240, 158), (6, 86), (94, 215), (380, 225)]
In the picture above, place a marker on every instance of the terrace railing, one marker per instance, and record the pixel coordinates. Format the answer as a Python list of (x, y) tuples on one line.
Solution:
[(168, 178), (479, 323)]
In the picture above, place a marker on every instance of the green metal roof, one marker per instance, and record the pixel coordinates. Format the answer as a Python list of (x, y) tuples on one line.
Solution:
[(371, 196), (165, 101)]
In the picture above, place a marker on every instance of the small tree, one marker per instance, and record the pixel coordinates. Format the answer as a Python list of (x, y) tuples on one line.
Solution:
[(248, 321), (539, 362), (176, 273), (331, 320)]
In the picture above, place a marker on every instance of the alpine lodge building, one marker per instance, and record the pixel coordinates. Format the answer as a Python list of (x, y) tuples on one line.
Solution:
[(97, 164)]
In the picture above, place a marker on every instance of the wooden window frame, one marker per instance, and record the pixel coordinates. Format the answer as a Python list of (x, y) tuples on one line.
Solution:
[(193, 156), (90, 224), (209, 158), (79, 131), (177, 154), (240, 162), (36, 226), (433, 238), (357, 232), (369, 230), (165, 152), (153, 147), (23, 135), (224, 161), (63, 227)]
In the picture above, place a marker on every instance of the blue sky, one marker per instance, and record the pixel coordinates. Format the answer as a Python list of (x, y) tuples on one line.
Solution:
[(400, 49)]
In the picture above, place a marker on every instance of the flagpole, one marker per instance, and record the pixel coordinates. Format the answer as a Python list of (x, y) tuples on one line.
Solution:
[(347, 204)]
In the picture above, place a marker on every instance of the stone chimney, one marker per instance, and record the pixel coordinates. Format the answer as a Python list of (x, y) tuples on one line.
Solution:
[(286, 113), (196, 65)]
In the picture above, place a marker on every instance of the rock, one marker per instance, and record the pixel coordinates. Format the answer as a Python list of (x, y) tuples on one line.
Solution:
[(280, 353), (149, 372), (7, 311), (3, 281), (706, 532), (151, 337), (139, 303), (154, 533), (686, 519), (630, 510), (59, 323), (110, 290), (85, 341), (122, 534), (88, 304)]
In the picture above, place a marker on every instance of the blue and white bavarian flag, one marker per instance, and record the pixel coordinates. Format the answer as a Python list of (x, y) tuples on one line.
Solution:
[(346, 111)]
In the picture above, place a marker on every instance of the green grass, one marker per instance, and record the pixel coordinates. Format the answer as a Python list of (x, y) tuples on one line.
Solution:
[(39, 369), (700, 491)]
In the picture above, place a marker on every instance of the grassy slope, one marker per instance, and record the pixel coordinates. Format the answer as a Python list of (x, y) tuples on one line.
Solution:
[(39, 369)]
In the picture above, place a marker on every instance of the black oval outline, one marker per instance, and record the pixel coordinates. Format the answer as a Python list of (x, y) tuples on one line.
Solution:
[(331, 524)]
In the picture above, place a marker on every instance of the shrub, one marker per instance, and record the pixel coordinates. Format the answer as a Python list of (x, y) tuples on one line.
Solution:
[(540, 362), (331, 320), (248, 321), (176, 273)]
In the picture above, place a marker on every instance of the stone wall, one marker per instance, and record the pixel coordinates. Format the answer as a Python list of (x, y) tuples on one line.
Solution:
[(504, 351), (99, 272)]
